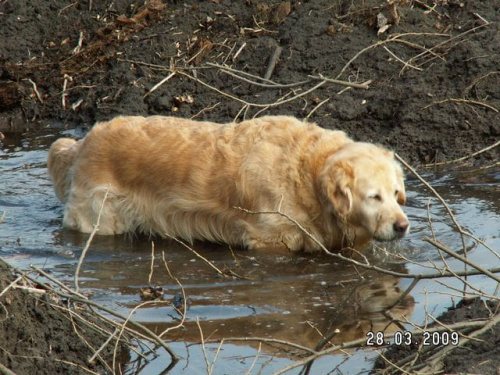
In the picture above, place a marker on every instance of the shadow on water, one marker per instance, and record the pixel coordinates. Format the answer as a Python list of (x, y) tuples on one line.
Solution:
[(296, 298)]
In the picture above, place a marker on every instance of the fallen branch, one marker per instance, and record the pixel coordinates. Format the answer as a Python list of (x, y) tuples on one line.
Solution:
[(441, 274), (437, 195), (151, 335), (463, 259)]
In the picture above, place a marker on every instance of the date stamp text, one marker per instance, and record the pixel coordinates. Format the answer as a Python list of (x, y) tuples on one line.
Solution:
[(408, 338)]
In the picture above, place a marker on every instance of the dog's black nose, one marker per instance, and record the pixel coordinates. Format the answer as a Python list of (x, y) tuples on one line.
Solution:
[(401, 225)]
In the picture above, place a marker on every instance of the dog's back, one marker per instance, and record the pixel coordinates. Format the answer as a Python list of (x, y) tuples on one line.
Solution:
[(61, 158)]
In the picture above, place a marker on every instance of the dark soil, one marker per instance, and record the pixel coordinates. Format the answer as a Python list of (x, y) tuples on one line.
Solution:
[(442, 105), (434, 95), (480, 356), (37, 336)]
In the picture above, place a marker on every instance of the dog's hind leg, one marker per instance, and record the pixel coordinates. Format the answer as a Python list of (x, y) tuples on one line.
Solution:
[(100, 206)]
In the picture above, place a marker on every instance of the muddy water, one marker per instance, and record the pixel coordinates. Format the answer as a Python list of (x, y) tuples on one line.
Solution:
[(279, 296)]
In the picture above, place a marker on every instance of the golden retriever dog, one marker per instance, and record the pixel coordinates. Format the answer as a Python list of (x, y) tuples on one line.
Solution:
[(237, 183)]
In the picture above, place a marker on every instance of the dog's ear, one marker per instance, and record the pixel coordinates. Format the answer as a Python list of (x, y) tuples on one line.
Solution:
[(338, 182), (401, 196)]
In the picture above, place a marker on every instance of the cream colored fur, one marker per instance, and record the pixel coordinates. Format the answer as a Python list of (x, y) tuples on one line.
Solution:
[(188, 179)]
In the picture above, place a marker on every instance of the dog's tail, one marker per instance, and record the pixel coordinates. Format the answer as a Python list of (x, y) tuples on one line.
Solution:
[(61, 157)]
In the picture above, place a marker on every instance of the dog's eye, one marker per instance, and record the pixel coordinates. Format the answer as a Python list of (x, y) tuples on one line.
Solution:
[(377, 197)]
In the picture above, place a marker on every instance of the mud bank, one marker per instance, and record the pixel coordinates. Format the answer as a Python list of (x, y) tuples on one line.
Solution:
[(431, 66)]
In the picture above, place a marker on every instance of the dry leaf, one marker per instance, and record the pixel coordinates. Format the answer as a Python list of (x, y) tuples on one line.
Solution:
[(155, 5), (382, 24), (204, 48), (281, 11)]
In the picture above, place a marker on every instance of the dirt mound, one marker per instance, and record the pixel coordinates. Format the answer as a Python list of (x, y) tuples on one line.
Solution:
[(481, 355), (38, 335), (432, 66)]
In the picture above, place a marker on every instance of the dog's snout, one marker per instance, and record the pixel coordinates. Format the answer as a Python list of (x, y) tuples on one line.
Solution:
[(401, 226)]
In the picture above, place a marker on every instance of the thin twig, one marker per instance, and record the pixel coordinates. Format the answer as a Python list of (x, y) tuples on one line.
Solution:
[(155, 87), (364, 85), (257, 105), (104, 344), (13, 283), (235, 56), (267, 341), (316, 108), (64, 93), (447, 41), (477, 80), (378, 44), (197, 254), (405, 63), (267, 83), (54, 280), (437, 195), (273, 60), (35, 89), (184, 297), (254, 362), (465, 101), (214, 360), (89, 240), (78, 47), (463, 259), (465, 157), (203, 348), (152, 262), (128, 319), (204, 110), (5, 371)]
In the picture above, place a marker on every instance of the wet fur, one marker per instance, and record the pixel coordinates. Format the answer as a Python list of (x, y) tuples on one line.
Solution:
[(188, 179)]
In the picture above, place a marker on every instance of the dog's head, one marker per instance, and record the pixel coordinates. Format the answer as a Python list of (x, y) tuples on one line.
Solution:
[(364, 186)]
